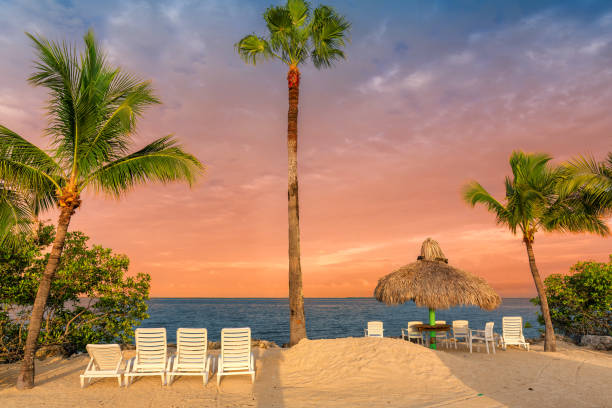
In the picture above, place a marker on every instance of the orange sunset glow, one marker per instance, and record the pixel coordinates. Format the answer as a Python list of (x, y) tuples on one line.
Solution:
[(428, 99)]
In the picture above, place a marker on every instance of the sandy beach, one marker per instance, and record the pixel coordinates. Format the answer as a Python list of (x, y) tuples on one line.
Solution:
[(349, 372)]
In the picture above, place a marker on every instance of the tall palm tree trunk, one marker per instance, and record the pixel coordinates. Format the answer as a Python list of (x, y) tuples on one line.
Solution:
[(26, 376), (550, 343), (297, 321)]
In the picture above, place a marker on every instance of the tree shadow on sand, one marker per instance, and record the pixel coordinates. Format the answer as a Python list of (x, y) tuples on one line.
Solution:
[(268, 388), (46, 371)]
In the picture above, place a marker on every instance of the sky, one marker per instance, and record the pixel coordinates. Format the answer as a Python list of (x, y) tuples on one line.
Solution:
[(432, 94)]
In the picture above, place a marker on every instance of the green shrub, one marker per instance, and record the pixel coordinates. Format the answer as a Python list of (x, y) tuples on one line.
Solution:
[(581, 303), (91, 299)]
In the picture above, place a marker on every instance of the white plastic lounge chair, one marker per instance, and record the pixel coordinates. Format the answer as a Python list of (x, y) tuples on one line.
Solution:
[(486, 335), (442, 337), (106, 361), (191, 355), (411, 333), (512, 332), (236, 357), (375, 329), (461, 332), (151, 355)]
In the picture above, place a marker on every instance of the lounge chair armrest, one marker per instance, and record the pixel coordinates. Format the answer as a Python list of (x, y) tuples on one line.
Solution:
[(365, 332), (252, 362), (90, 364)]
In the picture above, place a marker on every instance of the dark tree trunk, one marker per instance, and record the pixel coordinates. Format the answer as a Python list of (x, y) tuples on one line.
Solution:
[(550, 343), (26, 376), (297, 321)]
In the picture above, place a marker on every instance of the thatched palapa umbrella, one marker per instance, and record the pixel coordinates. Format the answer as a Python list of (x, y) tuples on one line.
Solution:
[(431, 282)]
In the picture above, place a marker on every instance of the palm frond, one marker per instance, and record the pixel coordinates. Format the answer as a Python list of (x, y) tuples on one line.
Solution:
[(576, 214), (299, 10), (474, 193), (594, 177), (253, 49), (329, 32), (28, 169), (16, 215), (164, 161), (58, 70)]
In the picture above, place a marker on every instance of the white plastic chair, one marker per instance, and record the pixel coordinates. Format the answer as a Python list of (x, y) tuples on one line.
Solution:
[(461, 330), (486, 335), (151, 355), (106, 360), (442, 336), (236, 357), (191, 355), (375, 329), (411, 333), (512, 332)]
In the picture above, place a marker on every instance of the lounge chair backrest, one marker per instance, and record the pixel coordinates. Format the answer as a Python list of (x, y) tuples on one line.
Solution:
[(236, 349), (440, 321), (375, 329), (151, 348), (105, 356), (512, 327), (413, 323), (191, 346), (460, 327)]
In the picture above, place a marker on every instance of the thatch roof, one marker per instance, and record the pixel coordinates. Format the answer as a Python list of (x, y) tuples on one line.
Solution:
[(431, 282)]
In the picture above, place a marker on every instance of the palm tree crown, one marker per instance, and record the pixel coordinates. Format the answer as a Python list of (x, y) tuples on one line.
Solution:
[(535, 200), (92, 117), (296, 35)]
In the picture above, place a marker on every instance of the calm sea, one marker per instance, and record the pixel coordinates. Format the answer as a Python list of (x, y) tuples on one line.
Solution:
[(325, 318)]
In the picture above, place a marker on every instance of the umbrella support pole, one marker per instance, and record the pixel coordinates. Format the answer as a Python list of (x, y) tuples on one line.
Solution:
[(432, 334)]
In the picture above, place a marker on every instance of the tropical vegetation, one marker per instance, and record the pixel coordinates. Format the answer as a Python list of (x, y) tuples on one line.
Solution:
[(91, 300), (581, 302), (93, 109), (296, 35), (537, 198)]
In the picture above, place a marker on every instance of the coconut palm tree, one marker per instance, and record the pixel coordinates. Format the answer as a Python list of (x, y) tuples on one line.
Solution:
[(295, 36), (534, 201), (93, 109)]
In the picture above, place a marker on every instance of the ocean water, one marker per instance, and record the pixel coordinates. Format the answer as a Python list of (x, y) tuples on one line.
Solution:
[(325, 318)]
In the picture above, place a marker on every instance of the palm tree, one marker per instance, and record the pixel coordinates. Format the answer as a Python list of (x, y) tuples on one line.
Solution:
[(295, 35), (534, 201), (92, 112)]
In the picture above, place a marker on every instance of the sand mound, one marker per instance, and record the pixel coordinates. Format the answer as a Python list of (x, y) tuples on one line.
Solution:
[(364, 369), (351, 359)]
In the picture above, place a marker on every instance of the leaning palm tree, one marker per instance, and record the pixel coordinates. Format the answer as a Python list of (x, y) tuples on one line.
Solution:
[(93, 109), (534, 201), (295, 35)]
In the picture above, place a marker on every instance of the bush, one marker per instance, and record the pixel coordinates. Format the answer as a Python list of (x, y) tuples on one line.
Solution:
[(581, 303), (91, 299)]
